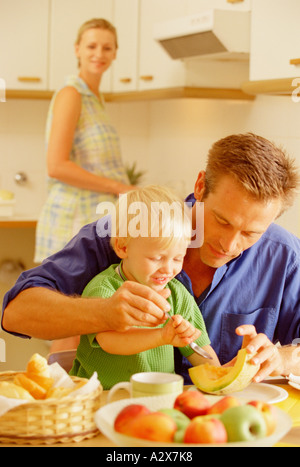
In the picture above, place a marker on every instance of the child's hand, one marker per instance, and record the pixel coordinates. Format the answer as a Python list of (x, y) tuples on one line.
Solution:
[(179, 332)]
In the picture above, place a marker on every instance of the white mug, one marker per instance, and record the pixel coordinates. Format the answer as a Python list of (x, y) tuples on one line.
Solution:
[(150, 384)]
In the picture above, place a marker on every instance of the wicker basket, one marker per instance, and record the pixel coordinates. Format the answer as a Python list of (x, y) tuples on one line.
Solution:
[(50, 421)]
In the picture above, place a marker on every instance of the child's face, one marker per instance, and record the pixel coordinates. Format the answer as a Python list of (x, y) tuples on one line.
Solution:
[(148, 263)]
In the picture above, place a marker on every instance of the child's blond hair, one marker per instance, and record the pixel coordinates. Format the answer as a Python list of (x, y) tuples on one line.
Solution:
[(152, 211)]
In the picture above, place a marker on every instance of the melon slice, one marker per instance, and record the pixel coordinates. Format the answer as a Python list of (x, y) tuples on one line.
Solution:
[(225, 380)]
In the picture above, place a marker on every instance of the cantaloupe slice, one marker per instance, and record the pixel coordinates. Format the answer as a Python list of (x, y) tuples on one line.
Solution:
[(225, 380)]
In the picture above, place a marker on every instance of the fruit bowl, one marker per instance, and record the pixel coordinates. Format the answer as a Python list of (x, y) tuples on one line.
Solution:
[(106, 415)]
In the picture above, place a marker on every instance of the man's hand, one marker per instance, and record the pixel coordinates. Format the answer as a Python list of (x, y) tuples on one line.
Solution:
[(65, 316), (134, 304), (266, 353)]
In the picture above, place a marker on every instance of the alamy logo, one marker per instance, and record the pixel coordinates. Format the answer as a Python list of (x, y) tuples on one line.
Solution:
[(160, 220), (2, 351), (2, 90), (295, 93)]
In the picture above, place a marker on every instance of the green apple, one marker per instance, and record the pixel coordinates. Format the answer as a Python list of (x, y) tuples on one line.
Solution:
[(179, 418), (181, 421), (179, 435), (244, 423)]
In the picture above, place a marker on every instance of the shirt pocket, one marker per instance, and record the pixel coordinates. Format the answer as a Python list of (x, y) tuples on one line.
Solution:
[(264, 320)]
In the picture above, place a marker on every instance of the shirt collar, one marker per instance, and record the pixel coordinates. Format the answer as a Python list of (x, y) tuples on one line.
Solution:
[(120, 271)]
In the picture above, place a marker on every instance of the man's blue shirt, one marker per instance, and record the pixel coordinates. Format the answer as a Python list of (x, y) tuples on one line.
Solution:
[(260, 287)]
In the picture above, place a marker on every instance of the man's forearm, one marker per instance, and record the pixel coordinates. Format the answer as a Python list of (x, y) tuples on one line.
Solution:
[(46, 314)]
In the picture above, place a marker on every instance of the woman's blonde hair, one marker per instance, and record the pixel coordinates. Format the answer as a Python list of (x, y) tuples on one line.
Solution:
[(263, 169), (152, 211), (96, 23)]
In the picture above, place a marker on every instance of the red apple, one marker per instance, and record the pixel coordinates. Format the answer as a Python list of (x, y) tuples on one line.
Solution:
[(126, 416), (223, 404), (154, 426), (269, 414), (205, 431), (192, 403)]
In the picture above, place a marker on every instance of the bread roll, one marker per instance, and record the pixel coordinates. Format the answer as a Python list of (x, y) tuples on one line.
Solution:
[(37, 391), (13, 391), (43, 381), (38, 365)]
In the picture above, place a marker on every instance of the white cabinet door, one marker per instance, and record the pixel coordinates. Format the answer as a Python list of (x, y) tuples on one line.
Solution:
[(66, 18), (23, 39), (275, 39), (156, 68), (195, 6), (126, 20)]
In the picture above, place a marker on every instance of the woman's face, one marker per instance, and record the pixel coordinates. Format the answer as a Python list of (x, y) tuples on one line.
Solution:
[(96, 50)]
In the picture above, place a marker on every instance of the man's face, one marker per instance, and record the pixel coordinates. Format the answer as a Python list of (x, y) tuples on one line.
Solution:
[(233, 221)]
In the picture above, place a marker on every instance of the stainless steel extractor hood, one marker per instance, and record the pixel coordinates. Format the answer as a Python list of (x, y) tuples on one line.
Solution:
[(220, 33)]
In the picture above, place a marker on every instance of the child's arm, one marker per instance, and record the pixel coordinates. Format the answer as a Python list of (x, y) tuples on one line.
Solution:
[(130, 342), (177, 332)]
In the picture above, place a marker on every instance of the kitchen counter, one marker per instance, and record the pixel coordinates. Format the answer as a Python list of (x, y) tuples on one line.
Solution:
[(17, 222)]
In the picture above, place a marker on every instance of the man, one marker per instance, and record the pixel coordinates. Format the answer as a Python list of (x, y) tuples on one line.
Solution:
[(245, 277)]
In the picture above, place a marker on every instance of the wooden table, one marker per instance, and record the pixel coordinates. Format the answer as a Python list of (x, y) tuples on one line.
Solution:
[(292, 438)]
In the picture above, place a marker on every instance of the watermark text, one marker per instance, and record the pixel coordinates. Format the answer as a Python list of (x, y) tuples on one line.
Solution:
[(160, 220), (2, 90), (2, 351), (296, 91)]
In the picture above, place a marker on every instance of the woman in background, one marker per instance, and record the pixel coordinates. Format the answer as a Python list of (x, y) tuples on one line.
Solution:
[(83, 155)]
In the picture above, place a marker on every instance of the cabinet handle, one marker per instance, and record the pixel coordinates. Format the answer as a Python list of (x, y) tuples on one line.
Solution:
[(147, 78), (295, 61), (234, 1), (20, 178), (29, 79), (125, 80)]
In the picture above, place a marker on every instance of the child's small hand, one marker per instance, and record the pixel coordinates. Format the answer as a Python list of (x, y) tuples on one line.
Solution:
[(179, 332)]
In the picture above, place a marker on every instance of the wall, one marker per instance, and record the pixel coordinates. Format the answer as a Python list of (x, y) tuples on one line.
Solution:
[(168, 139)]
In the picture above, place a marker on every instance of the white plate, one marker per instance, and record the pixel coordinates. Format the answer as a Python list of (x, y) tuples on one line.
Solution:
[(262, 392), (294, 385), (105, 417)]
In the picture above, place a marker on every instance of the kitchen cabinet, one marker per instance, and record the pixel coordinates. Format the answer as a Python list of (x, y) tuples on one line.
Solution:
[(275, 39), (156, 68), (24, 42), (195, 6), (66, 18), (41, 34), (125, 67)]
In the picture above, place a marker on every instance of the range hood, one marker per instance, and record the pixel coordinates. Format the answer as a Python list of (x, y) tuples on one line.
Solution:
[(223, 34)]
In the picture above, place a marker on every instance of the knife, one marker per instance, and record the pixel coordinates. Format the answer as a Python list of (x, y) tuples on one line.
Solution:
[(199, 351)]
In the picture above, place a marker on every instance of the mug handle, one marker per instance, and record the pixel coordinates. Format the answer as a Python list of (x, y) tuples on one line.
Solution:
[(123, 385)]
